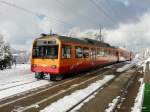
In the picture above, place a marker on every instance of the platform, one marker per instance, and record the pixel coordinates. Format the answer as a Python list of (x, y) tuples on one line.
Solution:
[(146, 101)]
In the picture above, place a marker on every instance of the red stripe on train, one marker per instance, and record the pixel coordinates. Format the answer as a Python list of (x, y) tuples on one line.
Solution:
[(68, 69)]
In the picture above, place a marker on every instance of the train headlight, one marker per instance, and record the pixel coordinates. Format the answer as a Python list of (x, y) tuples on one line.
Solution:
[(53, 66), (34, 65)]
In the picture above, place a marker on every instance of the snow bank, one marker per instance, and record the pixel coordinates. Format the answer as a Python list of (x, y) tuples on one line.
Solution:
[(125, 67), (68, 101), (112, 105), (139, 99), (80, 105), (144, 63)]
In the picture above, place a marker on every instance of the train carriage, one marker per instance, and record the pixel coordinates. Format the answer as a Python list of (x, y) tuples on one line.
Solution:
[(60, 55)]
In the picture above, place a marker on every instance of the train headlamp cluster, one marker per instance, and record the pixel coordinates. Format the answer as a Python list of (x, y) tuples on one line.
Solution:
[(34, 65), (53, 66)]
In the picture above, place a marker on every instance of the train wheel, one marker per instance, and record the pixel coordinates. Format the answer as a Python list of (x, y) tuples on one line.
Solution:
[(39, 75), (56, 77)]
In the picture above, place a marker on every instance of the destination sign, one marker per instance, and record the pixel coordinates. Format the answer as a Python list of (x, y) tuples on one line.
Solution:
[(46, 42)]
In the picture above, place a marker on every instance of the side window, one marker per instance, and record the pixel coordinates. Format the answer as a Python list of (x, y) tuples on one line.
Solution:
[(113, 52), (79, 53), (110, 52), (98, 52), (105, 52), (85, 52), (102, 52), (66, 52), (93, 52)]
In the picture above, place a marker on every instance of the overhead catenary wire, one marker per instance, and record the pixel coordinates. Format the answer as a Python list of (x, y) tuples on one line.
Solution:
[(103, 11), (59, 20), (112, 9), (72, 11), (34, 13)]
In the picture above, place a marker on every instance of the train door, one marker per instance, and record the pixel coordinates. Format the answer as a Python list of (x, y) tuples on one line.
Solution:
[(94, 55)]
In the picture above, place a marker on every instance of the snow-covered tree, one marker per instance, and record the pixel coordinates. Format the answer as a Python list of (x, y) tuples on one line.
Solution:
[(1, 48), (5, 54)]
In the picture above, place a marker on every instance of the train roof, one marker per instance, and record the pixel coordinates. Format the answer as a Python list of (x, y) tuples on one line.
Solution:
[(123, 49), (83, 41)]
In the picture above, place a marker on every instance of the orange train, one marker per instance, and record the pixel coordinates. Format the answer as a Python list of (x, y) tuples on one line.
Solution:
[(58, 56)]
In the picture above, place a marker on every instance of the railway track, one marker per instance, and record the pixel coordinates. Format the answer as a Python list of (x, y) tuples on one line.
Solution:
[(110, 97), (78, 104), (48, 85), (5, 88), (127, 101), (25, 103)]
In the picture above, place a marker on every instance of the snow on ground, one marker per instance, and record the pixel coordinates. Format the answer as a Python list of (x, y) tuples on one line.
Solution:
[(15, 68), (16, 74), (87, 100), (17, 80), (144, 63), (23, 88), (68, 101), (112, 105), (139, 98), (126, 67), (15, 71)]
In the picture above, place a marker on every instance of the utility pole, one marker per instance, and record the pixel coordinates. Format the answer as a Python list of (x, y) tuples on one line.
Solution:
[(51, 32), (100, 36), (100, 33)]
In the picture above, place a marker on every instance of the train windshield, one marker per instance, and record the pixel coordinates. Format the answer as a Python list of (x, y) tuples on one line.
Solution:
[(48, 52)]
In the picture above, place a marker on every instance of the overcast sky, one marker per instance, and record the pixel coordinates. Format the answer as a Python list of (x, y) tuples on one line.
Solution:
[(124, 22)]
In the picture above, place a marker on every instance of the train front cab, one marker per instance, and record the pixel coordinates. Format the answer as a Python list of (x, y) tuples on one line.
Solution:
[(46, 57)]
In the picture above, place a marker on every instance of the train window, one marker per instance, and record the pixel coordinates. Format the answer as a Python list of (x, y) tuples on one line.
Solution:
[(113, 52), (98, 52), (93, 54), (102, 52), (49, 52), (85, 52), (66, 52), (79, 53), (110, 52), (105, 52)]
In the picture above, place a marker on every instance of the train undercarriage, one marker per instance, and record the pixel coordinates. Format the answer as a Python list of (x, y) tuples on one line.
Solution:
[(52, 77)]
